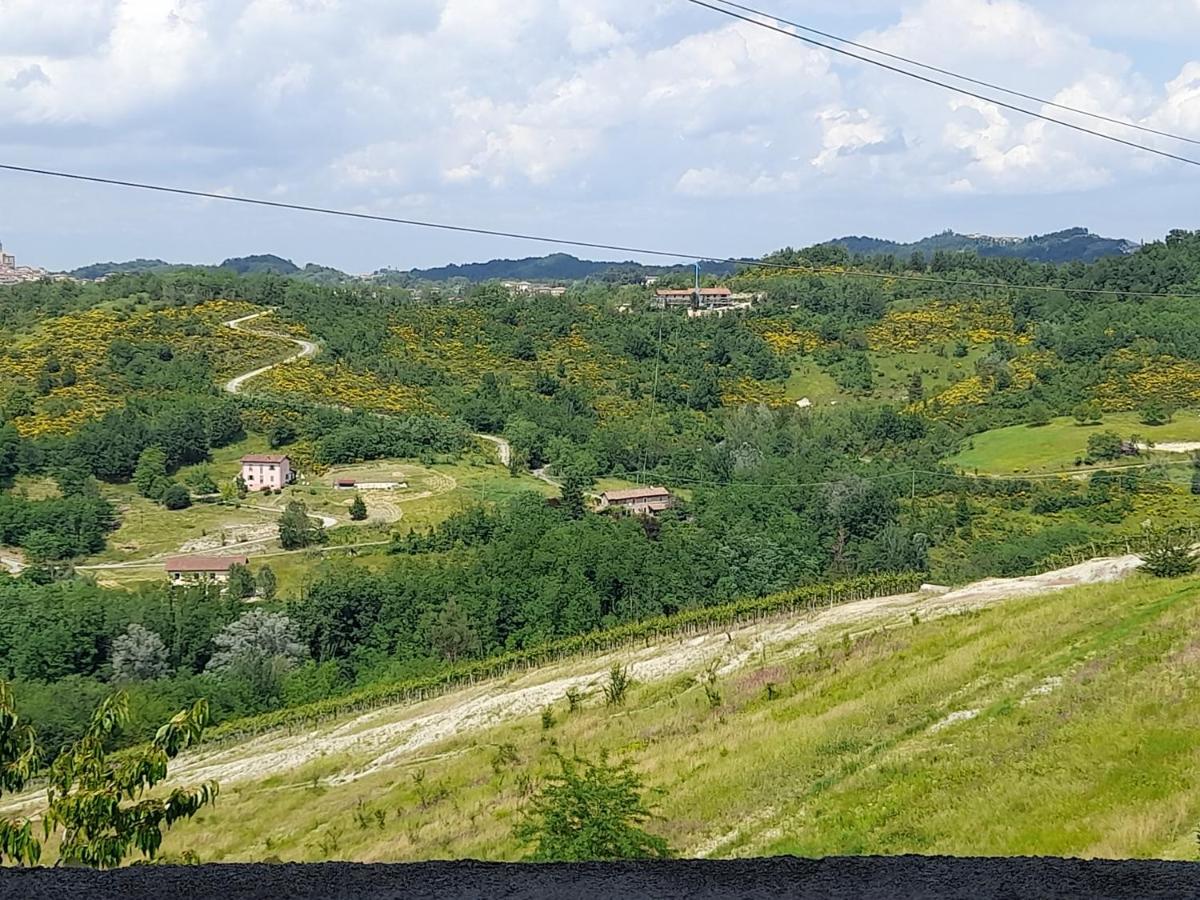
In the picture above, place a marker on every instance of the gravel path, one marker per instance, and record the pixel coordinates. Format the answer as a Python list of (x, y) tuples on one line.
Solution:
[(307, 349), (384, 738)]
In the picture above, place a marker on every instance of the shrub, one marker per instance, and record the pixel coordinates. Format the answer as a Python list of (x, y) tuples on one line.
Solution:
[(590, 811), (1169, 556), (177, 497), (617, 686)]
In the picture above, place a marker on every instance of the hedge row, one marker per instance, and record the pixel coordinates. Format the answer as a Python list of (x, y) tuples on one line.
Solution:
[(1118, 546), (687, 622)]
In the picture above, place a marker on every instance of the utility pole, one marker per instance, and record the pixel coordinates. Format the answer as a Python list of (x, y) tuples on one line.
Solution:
[(696, 296)]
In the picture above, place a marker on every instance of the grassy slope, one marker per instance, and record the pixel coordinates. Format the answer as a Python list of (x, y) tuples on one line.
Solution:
[(892, 371), (1086, 706), (1054, 447)]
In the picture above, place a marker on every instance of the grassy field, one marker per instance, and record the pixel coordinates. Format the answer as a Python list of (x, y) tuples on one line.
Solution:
[(892, 372), (1054, 447), (149, 533), (1062, 724)]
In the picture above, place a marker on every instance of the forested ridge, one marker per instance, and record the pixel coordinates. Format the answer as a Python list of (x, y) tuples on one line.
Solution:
[(119, 382)]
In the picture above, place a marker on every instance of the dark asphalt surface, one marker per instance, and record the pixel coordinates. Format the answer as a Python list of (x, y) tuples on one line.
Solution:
[(894, 878)]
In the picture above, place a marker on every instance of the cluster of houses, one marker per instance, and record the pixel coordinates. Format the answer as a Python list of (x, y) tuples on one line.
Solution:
[(533, 287), (11, 273), (716, 301)]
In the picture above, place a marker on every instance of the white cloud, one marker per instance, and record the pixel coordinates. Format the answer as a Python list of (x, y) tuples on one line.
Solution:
[(600, 107)]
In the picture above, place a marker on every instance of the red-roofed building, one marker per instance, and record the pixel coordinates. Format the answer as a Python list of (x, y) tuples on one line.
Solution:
[(642, 501), (203, 569), (267, 471)]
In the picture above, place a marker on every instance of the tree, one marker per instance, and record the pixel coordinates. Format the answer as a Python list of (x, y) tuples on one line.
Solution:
[(574, 483), (177, 497), (1088, 414), (151, 473), (268, 584), (1156, 413), (98, 805), (139, 655), (257, 637), (1106, 445), (590, 811), (296, 529), (241, 583), (916, 388), (1037, 414), (452, 633), (1168, 555), (18, 763), (358, 509)]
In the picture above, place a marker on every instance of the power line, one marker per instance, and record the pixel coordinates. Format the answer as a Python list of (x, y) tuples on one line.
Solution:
[(942, 84), (977, 81), (590, 245)]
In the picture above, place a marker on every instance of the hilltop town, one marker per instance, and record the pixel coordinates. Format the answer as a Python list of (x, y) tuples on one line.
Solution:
[(11, 273)]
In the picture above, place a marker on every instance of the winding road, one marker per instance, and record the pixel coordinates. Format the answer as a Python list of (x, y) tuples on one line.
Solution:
[(308, 349)]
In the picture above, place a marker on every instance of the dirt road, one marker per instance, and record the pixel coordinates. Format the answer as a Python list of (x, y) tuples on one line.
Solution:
[(384, 738), (307, 349)]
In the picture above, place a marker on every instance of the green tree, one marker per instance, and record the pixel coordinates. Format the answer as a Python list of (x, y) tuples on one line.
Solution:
[(18, 763), (590, 811), (358, 509), (1037, 414), (1155, 413), (1107, 445), (151, 473), (177, 497), (1168, 555), (241, 582), (98, 805), (1089, 413), (268, 584), (297, 529), (916, 388), (452, 634)]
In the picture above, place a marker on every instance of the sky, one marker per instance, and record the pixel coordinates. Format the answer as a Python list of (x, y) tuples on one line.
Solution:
[(650, 123)]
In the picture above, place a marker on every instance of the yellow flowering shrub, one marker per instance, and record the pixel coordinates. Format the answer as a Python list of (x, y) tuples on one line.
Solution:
[(934, 323), (1131, 381), (81, 341), (785, 338)]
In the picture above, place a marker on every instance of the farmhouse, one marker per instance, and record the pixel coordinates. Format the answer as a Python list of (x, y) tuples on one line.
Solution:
[(267, 472), (202, 569), (693, 298), (642, 501)]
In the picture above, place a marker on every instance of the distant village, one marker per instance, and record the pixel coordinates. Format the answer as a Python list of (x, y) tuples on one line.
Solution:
[(11, 273)]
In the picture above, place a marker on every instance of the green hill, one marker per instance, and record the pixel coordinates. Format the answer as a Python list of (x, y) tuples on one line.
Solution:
[(1069, 245), (969, 724)]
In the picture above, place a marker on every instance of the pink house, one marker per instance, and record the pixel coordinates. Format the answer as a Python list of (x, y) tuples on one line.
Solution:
[(263, 472)]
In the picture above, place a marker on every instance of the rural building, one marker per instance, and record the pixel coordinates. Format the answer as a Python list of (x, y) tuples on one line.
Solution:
[(345, 484), (642, 501), (267, 472), (691, 297), (203, 569), (530, 287)]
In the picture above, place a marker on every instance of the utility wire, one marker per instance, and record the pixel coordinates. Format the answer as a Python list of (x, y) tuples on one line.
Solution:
[(590, 245), (942, 84), (977, 81)]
